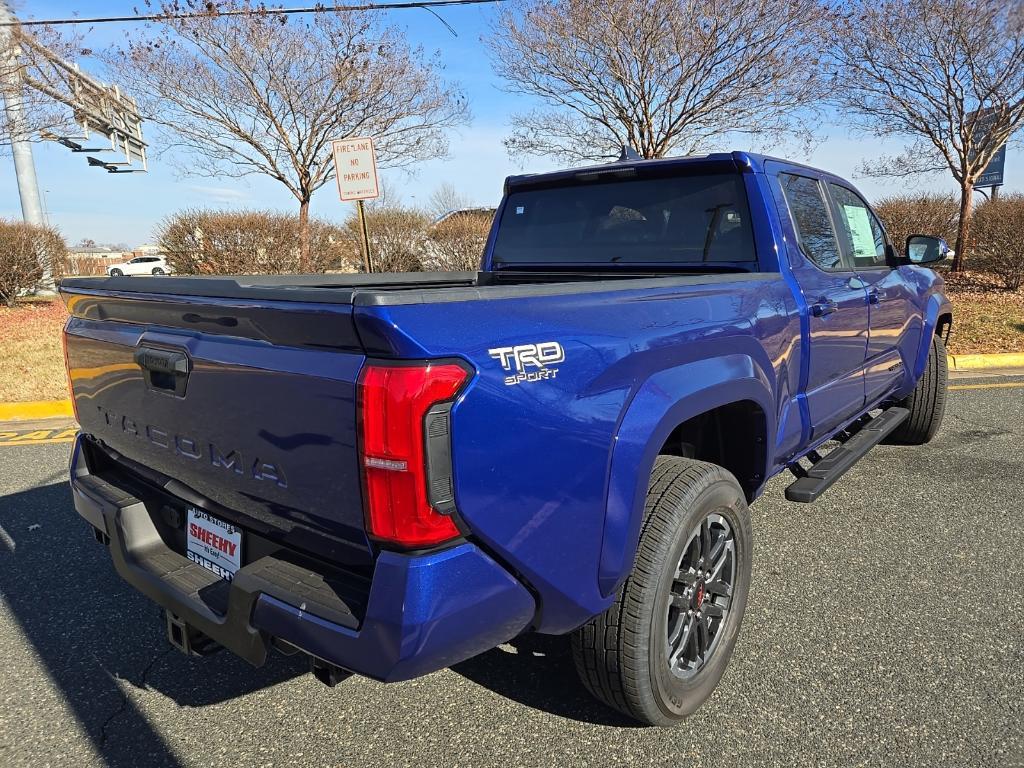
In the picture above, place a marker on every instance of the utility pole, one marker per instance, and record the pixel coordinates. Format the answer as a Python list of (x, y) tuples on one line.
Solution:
[(21, 144)]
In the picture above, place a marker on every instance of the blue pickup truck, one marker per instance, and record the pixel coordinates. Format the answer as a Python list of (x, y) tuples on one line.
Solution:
[(393, 473)]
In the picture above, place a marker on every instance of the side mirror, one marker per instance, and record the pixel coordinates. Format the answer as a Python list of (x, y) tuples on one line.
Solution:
[(924, 249)]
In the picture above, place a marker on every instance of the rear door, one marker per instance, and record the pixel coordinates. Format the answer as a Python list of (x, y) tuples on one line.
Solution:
[(890, 304), (836, 298)]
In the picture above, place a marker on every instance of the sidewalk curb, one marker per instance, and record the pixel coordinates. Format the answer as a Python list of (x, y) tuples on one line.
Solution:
[(49, 409), (42, 409), (986, 362)]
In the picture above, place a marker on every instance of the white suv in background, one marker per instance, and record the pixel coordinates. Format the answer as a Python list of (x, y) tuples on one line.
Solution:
[(141, 265)]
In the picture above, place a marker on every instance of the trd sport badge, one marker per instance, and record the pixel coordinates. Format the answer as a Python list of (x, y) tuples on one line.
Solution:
[(529, 362)]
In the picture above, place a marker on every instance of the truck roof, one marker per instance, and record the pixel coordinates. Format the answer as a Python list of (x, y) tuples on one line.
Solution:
[(714, 161)]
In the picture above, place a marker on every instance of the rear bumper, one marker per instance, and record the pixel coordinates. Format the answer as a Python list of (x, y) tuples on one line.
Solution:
[(424, 612)]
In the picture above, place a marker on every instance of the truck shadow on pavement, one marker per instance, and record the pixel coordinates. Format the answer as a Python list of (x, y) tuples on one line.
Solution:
[(538, 672), (100, 642), (96, 638)]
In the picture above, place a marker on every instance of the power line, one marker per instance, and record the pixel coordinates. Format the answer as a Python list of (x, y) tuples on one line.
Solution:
[(424, 4)]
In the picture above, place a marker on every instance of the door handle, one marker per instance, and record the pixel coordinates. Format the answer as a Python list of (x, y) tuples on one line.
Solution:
[(823, 307), (165, 370)]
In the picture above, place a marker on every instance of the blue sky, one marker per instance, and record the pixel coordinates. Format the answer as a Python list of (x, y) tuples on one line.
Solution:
[(85, 202)]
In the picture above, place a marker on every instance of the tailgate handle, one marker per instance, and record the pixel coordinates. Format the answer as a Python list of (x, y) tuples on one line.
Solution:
[(166, 370)]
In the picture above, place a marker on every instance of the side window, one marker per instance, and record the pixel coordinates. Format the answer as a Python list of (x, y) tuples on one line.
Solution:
[(860, 234), (812, 220)]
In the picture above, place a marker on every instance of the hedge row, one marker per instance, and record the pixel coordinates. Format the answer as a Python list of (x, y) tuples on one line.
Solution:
[(202, 242), (404, 240), (997, 230), (23, 250), (262, 242)]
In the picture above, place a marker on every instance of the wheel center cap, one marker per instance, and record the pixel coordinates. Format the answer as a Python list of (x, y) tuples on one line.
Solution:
[(700, 594)]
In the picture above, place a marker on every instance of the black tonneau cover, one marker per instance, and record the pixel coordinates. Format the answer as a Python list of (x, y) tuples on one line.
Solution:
[(340, 288), (390, 289)]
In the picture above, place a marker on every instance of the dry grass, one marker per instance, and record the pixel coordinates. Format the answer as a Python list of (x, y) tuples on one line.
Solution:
[(30, 350), (985, 321)]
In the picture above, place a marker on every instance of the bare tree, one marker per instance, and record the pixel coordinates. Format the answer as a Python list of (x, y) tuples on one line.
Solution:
[(263, 94), (927, 71), (29, 78), (446, 198), (658, 75)]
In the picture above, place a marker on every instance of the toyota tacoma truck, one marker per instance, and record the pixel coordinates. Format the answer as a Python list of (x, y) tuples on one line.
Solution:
[(393, 473)]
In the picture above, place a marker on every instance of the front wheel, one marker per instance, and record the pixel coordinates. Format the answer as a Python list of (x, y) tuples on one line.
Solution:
[(659, 651), (927, 403), (116, 273)]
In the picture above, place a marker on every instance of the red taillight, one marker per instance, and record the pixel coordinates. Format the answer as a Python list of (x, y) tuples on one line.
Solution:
[(67, 369), (394, 400)]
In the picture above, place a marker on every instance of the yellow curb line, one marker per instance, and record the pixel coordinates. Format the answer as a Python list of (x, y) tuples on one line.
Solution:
[(986, 362), (42, 409)]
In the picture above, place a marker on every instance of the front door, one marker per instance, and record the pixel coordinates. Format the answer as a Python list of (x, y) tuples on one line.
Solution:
[(889, 302), (837, 305)]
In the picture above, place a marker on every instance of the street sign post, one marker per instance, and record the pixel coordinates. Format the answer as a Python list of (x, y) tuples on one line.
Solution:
[(355, 167), (992, 176)]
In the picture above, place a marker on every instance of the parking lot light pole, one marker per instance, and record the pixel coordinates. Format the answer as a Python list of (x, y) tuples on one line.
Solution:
[(21, 145)]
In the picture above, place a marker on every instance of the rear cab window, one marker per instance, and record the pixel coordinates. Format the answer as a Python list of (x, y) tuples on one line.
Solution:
[(645, 221)]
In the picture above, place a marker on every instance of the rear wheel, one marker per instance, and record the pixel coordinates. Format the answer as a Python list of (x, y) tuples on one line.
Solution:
[(927, 403), (158, 271), (116, 273), (659, 651)]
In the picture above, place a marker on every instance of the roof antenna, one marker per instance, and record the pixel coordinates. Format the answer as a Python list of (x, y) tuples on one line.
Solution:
[(628, 153)]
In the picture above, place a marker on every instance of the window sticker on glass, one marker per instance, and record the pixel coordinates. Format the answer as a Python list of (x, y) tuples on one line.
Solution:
[(860, 231), (520, 210)]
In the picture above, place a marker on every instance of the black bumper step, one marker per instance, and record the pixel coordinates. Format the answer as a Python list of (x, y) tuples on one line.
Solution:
[(813, 482), (197, 600)]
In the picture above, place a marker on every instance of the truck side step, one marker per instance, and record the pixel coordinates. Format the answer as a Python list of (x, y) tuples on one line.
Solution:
[(825, 470)]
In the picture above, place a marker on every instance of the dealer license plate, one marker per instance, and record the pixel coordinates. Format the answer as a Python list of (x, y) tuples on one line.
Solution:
[(213, 543)]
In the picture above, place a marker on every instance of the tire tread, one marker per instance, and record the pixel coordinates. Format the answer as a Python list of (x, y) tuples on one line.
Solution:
[(610, 650), (927, 403)]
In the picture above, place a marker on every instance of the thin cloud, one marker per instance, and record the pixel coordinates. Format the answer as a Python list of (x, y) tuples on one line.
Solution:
[(220, 194)]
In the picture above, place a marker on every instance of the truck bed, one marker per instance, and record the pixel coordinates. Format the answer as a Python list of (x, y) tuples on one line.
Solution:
[(391, 289)]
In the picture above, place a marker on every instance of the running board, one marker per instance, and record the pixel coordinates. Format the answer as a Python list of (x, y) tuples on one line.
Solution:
[(825, 470)]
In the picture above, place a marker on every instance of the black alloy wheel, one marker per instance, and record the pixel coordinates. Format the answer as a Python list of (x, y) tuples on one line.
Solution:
[(700, 595)]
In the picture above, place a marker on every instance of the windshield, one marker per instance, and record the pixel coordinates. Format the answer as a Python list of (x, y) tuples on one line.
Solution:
[(677, 220)]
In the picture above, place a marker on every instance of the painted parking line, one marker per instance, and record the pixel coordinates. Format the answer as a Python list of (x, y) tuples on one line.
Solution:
[(37, 436), (996, 385)]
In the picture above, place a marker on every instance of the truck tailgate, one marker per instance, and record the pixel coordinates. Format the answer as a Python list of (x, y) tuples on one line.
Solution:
[(249, 406)]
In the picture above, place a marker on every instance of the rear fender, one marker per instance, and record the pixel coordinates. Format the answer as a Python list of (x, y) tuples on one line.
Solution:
[(666, 400)]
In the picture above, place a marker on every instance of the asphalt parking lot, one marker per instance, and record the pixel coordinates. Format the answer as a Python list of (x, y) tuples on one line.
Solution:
[(885, 627)]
